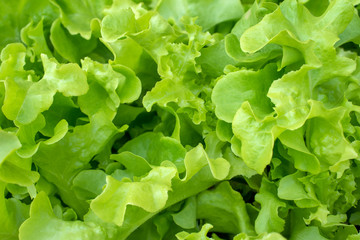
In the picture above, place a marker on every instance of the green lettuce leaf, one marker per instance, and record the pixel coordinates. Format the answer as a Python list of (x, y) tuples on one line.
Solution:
[(68, 163), (202, 234), (234, 88), (153, 187), (15, 16), (268, 219), (42, 222), (13, 213), (265, 236), (70, 47), (81, 17), (162, 184), (225, 202), (109, 85)]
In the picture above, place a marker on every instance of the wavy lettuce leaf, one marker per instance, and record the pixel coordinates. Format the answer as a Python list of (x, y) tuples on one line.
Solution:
[(42, 222), (162, 184), (81, 17), (208, 13)]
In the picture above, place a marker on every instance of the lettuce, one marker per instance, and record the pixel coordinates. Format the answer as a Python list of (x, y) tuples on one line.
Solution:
[(179, 119)]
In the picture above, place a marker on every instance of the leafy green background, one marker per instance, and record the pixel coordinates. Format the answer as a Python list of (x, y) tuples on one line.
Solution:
[(179, 119)]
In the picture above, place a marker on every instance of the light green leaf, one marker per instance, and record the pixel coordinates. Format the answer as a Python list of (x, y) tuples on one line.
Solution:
[(126, 52), (70, 47), (117, 23), (209, 13), (153, 34), (150, 193), (156, 148), (290, 94), (202, 234), (290, 188), (234, 88), (199, 179), (60, 131), (110, 85), (292, 15), (264, 236), (17, 80), (17, 170), (268, 219), (130, 89), (80, 17), (68, 79), (9, 143), (179, 94), (43, 221), (326, 138), (303, 159), (196, 159), (257, 137), (13, 213), (34, 37)]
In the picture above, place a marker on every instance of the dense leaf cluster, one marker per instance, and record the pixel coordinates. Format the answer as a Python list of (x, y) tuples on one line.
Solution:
[(179, 119)]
